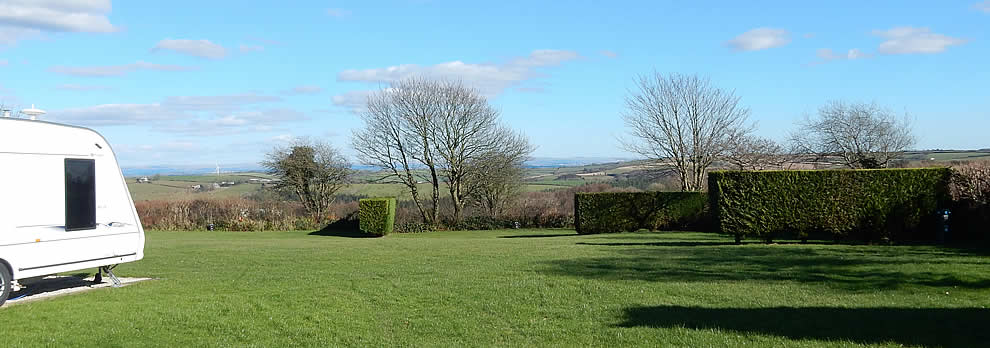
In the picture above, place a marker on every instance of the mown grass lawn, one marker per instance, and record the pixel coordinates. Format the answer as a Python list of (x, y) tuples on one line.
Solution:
[(520, 288)]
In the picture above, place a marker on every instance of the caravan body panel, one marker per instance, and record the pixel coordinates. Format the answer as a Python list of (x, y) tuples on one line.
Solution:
[(34, 202)]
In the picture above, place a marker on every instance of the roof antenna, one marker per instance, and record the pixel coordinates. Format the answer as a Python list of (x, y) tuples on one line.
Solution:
[(33, 112)]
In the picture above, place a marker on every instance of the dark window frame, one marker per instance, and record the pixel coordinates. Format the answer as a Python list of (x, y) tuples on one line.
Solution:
[(72, 196)]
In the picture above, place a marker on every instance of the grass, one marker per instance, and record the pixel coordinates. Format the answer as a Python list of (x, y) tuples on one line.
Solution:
[(520, 288)]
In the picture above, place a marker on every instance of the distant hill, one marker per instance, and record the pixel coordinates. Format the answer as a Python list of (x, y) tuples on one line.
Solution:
[(536, 162), (190, 169)]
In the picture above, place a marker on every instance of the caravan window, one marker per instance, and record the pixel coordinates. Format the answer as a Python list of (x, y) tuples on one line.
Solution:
[(80, 194)]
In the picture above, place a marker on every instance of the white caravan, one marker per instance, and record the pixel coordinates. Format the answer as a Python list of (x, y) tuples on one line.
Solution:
[(64, 204)]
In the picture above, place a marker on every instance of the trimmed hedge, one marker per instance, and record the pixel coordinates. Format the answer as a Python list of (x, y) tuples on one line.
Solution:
[(376, 215), (608, 212), (868, 205)]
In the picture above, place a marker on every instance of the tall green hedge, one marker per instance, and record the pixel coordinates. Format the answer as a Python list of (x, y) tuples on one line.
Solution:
[(376, 215), (868, 205), (631, 211)]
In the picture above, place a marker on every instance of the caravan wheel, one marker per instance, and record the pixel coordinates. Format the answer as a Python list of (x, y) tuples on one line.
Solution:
[(4, 284)]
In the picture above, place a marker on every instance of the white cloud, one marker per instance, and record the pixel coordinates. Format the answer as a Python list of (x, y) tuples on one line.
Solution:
[(826, 55), (908, 40), (188, 115), (301, 90), (352, 100), (282, 138), (760, 39), (237, 122), (337, 12), (217, 103), (115, 70), (3, 62), (20, 19), (982, 6), (855, 53), (608, 53), (490, 79), (116, 115), (251, 48), (197, 48), (81, 88), (172, 146)]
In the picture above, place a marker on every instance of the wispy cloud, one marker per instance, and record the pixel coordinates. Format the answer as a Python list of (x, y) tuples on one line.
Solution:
[(608, 53), (4, 62), (251, 48), (337, 12), (197, 48), (354, 101), (982, 6), (303, 90), (21, 19), (491, 79), (188, 115), (911, 40), (826, 55), (115, 70), (759, 39), (82, 88)]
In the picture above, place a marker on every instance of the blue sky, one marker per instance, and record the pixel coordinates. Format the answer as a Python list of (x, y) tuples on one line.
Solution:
[(184, 83)]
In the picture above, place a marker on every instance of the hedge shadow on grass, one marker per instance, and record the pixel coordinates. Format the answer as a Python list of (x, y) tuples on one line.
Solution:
[(541, 235), (667, 244), (945, 327), (854, 268), (346, 227)]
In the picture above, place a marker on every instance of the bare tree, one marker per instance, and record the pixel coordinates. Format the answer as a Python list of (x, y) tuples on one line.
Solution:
[(442, 126), (397, 137), (496, 177), (860, 135), (467, 131), (756, 153), (314, 171), (684, 121)]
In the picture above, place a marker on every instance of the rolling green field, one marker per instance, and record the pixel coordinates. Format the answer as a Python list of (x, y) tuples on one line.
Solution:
[(178, 187), (520, 288), (173, 187)]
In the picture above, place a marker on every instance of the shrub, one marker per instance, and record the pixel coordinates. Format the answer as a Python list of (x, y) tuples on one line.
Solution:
[(376, 215), (971, 209), (871, 205), (224, 214), (411, 227), (630, 211)]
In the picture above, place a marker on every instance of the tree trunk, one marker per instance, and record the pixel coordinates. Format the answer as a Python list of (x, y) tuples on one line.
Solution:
[(419, 204), (435, 213)]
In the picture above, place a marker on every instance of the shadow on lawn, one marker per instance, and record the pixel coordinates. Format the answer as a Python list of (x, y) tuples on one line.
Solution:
[(668, 244), (849, 267), (542, 235), (346, 227), (945, 327)]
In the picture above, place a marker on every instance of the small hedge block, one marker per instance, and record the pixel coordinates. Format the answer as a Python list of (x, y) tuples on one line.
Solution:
[(376, 216), (611, 212), (868, 205)]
